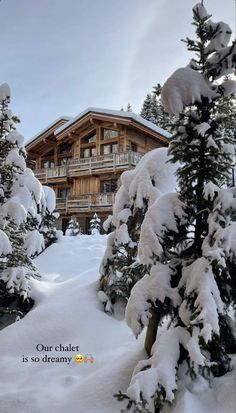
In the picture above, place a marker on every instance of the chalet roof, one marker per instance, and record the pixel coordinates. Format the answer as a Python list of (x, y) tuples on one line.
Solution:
[(118, 114), (66, 118)]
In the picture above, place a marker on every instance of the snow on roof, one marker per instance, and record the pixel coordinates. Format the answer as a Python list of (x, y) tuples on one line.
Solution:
[(30, 140), (117, 113)]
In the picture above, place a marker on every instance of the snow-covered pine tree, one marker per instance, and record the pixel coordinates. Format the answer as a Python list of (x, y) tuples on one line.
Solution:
[(153, 110), (129, 108), (147, 108), (20, 198), (49, 217), (188, 238), (73, 228), (95, 225), (162, 118), (120, 269)]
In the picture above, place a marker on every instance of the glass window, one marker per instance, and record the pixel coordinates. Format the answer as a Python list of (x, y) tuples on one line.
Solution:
[(65, 147), (114, 148), (64, 192), (88, 152), (109, 186), (48, 164), (109, 134), (89, 139), (113, 186), (106, 187), (92, 139), (93, 152), (133, 147), (106, 149)]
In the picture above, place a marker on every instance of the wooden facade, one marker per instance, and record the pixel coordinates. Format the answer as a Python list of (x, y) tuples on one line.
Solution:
[(82, 159)]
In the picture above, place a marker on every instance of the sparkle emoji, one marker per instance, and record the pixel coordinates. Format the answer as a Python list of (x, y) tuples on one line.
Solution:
[(79, 358)]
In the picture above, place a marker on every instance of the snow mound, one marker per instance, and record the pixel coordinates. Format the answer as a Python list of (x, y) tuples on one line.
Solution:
[(67, 312)]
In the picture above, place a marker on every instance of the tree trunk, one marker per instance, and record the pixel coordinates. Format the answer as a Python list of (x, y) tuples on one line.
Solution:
[(152, 330)]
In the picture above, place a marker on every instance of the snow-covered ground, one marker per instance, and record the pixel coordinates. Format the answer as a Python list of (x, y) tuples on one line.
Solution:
[(67, 312)]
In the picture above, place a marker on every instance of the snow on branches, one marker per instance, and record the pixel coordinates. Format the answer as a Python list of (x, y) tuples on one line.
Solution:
[(185, 87), (140, 188), (22, 206), (187, 241), (95, 225)]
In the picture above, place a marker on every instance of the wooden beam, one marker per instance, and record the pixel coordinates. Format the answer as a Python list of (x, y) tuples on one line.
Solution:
[(48, 149), (76, 134), (55, 156), (32, 154), (125, 139), (98, 140)]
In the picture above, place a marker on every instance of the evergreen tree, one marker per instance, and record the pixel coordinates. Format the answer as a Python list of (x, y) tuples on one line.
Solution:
[(146, 111), (48, 229), (129, 108), (20, 199), (120, 269), (49, 217), (73, 228), (153, 110), (162, 118), (188, 238), (95, 225)]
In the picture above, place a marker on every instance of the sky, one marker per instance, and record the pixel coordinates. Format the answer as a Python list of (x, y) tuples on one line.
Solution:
[(61, 56)]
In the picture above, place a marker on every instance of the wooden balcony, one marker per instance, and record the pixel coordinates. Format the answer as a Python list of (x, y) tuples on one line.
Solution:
[(56, 174), (95, 164), (103, 163), (85, 203)]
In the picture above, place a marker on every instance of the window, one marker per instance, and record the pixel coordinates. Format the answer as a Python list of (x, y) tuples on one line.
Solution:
[(88, 152), (133, 147), (93, 152), (64, 147), (106, 149), (112, 148), (109, 186), (110, 134), (64, 192), (48, 164), (92, 139), (89, 139)]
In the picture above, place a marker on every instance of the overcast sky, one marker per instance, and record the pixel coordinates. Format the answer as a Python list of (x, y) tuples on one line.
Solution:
[(61, 56)]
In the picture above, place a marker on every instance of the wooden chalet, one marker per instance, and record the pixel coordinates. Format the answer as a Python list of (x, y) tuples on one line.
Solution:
[(82, 159)]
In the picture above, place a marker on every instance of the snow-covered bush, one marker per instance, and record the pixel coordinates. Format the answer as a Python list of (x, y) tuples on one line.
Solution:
[(120, 269), (73, 228), (20, 200), (187, 238), (95, 225)]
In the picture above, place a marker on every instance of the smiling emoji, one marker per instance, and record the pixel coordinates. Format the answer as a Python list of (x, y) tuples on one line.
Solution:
[(79, 358)]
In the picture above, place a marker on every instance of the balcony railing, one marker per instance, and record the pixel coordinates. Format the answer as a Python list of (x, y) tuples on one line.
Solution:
[(48, 174), (86, 202), (100, 162)]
